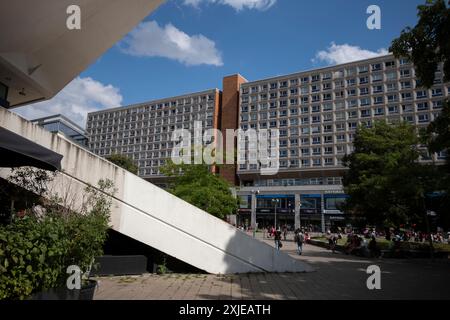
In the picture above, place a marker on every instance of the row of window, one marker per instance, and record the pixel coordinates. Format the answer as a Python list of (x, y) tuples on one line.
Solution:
[(324, 107), (324, 76), (420, 118), (305, 90), (379, 99), (153, 107), (160, 116), (343, 94), (337, 115), (297, 163), (107, 133)]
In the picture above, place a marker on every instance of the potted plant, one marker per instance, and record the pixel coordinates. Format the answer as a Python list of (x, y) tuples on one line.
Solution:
[(35, 251), (88, 232)]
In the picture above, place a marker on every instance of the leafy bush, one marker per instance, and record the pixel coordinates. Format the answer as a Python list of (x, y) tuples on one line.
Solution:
[(35, 252), (32, 255)]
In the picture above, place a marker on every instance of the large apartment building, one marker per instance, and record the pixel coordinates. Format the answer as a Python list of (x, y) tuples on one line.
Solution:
[(316, 113), (143, 131)]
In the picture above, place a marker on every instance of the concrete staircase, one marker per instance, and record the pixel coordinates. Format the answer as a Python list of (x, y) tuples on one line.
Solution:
[(153, 216)]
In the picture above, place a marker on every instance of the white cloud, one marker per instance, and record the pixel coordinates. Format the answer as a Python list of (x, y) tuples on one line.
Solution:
[(151, 40), (79, 97), (238, 5), (342, 53)]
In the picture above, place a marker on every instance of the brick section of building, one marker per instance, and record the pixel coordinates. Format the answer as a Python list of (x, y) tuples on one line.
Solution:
[(229, 117)]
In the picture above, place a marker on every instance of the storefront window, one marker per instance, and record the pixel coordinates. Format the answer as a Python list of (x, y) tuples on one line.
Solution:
[(245, 202), (334, 202)]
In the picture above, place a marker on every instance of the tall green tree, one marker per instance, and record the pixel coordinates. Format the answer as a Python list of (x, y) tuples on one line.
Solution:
[(385, 182), (196, 184), (124, 162), (427, 45)]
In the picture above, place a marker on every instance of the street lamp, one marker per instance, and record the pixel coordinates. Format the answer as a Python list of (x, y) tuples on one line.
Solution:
[(299, 215), (253, 213), (275, 201)]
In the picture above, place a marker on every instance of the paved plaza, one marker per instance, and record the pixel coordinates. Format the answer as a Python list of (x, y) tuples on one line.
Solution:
[(337, 276)]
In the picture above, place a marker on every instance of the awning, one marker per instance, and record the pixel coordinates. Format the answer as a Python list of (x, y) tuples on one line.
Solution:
[(17, 151)]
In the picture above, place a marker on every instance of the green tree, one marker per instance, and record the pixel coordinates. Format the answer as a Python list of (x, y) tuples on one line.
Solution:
[(427, 45), (196, 184), (124, 162), (385, 182)]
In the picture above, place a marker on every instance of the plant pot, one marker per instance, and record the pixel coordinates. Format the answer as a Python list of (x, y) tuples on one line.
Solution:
[(87, 290), (60, 293), (63, 293)]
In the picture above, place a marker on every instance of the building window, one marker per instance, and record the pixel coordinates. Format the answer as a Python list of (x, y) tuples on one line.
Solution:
[(405, 73), (392, 109), (437, 104), (377, 77), (363, 69), (365, 113), (352, 125), (423, 117), (363, 91), (436, 92), (364, 102), (351, 82), (340, 126), (378, 100), (391, 76), (379, 111), (422, 106), (406, 96), (392, 98)]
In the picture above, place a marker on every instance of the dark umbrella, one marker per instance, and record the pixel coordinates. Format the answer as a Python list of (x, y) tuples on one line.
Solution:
[(17, 151)]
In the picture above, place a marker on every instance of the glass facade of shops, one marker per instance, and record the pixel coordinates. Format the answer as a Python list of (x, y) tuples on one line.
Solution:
[(310, 209), (293, 182)]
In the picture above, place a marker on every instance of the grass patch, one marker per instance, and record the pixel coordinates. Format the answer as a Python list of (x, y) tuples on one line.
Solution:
[(127, 280), (384, 244)]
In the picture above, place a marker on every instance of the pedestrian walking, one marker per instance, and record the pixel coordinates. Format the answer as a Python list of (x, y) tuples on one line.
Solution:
[(277, 238), (299, 239)]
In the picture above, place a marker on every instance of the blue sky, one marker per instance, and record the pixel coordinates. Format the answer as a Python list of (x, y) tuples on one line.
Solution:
[(189, 45)]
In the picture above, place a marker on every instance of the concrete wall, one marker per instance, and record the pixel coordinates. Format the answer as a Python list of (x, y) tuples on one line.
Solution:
[(155, 217)]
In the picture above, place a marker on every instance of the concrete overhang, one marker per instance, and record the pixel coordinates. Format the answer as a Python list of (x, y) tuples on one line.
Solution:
[(39, 55)]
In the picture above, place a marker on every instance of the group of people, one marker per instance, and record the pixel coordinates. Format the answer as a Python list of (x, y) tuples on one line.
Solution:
[(355, 244), (299, 238), (271, 231)]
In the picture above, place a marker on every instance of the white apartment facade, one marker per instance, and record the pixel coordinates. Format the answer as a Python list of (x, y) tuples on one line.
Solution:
[(143, 131), (317, 113)]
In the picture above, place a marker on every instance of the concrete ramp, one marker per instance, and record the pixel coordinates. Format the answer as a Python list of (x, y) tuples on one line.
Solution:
[(155, 217)]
